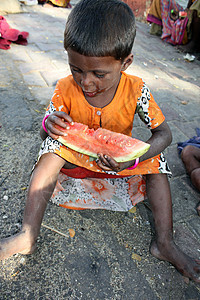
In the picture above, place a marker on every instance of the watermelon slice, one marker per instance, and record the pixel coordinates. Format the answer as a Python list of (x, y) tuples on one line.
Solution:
[(89, 141)]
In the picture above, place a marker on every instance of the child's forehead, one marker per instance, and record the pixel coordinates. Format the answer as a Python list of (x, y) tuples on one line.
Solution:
[(81, 60)]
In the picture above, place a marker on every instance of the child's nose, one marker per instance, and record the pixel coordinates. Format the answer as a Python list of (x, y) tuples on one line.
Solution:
[(86, 80)]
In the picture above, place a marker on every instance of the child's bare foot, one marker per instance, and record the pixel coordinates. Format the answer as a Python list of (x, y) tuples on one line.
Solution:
[(18, 243), (186, 265)]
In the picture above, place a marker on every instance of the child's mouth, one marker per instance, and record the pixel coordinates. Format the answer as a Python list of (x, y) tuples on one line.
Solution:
[(90, 94)]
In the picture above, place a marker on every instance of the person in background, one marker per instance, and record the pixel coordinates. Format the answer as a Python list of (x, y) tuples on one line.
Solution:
[(60, 3), (189, 152), (176, 25)]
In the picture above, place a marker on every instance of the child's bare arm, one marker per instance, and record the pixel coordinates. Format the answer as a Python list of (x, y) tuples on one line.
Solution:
[(161, 138), (54, 124)]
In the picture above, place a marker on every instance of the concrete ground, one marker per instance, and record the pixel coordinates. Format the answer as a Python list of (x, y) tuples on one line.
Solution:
[(108, 258)]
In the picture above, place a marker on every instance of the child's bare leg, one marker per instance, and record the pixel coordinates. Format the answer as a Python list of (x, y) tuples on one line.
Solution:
[(41, 187), (190, 156), (163, 247)]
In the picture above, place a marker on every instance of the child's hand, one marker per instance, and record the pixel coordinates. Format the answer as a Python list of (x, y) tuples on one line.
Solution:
[(56, 123), (107, 163)]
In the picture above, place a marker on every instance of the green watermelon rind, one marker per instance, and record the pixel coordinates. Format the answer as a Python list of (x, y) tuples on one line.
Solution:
[(123, 158), (77, 149)]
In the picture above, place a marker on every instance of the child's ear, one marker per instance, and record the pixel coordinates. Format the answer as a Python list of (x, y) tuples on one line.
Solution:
[(127, 62)]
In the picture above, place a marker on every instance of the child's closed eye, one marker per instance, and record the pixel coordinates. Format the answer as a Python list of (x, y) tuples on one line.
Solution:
[(76, 70), (99, 75)]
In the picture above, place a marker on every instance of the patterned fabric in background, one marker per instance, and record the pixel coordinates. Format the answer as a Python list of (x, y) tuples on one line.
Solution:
[(173, 32), (61, 3)]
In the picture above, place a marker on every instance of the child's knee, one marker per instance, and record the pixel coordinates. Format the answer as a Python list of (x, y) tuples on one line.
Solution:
[(50, 162), (195, 178), (190, 153), (186, 153)]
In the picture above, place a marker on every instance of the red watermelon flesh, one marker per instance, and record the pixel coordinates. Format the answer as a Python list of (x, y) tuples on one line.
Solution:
[(89, 141)]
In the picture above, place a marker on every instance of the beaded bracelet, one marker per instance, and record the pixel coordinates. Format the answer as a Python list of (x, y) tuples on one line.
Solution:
[(43, 123), (135, 164)]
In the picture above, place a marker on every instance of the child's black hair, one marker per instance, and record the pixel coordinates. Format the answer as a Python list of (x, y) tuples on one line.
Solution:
[(101, 28)]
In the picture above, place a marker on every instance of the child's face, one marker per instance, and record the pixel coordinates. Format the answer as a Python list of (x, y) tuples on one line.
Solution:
[(98, 77)]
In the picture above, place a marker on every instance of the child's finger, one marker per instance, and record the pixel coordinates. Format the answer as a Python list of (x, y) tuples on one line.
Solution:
[(54, 129), (57, 120), (107, 163), (112, 162), (103, 166), (103, 160), (55, 137), (64, 116)]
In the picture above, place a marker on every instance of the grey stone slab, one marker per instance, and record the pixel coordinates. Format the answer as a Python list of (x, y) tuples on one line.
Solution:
[(10, 7), (173, 98), (58, 58), (32, 47), (52, 77), (192, 109), (187, 181), (161, 85), (42, 94), (141, 133), (49, 47), (34, 79), (61, 64), (169, 112), (193, 225), (188, 127), (137, 122), (44, 38), (138, 70), (186, 241), (183, 200), (191, 293), (174, 161), (36, 54), (16, 114), (19, 53), (177, 134), (41, 65)]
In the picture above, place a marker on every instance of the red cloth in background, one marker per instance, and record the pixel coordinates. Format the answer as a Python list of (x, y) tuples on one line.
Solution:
[(8, 35)]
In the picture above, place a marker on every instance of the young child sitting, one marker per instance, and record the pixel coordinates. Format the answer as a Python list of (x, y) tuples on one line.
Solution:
[(98, 38)]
